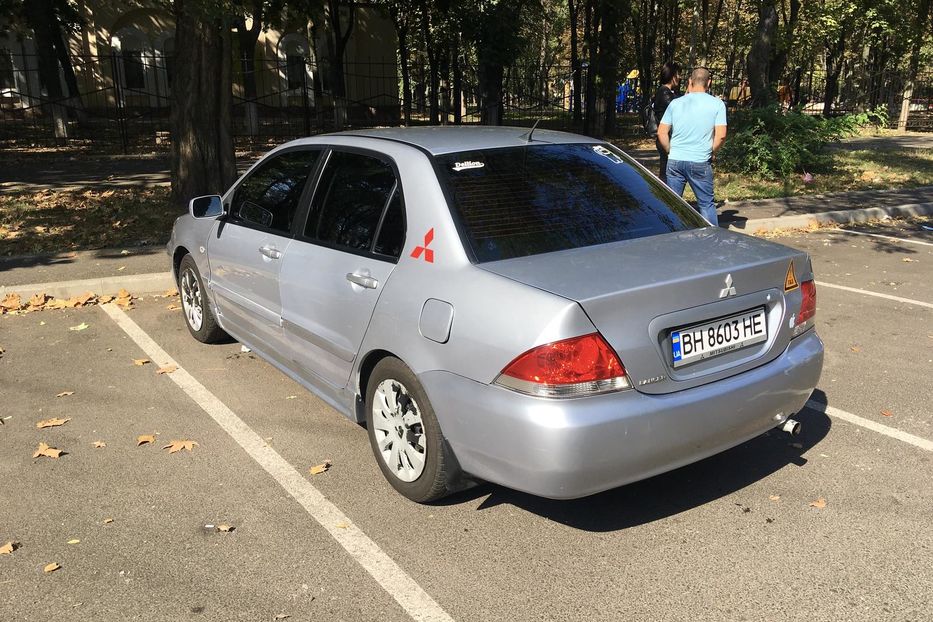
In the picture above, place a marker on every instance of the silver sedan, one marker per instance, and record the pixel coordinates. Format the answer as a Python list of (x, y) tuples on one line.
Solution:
[(531, 309)]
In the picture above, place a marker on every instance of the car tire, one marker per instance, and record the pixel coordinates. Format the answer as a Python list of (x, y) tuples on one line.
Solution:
[(194, 304), (412, 427)]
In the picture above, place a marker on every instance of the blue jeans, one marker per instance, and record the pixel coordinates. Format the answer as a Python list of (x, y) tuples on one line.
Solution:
[(700, 177)]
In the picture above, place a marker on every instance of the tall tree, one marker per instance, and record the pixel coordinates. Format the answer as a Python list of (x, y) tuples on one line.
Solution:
[(758, 63), (339, 37), (203, 159)]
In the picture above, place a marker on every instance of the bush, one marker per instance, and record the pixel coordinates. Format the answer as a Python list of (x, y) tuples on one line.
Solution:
[(771, 143)]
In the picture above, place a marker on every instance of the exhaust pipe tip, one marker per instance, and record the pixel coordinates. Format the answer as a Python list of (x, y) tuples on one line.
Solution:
[(791, 426)]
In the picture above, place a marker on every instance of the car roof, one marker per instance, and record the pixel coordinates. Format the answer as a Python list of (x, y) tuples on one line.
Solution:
[(438, 140)]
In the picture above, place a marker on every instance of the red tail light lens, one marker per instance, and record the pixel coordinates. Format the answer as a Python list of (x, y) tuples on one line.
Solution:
[(569, 368), (808, 304)]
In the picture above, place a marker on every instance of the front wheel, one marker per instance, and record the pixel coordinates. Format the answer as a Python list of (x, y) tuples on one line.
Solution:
[(198, 316), (405, 436)]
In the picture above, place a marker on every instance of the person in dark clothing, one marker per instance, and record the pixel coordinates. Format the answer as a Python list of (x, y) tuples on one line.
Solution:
[(667, 92)]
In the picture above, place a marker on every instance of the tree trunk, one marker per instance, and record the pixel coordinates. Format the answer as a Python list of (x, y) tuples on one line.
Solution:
[(340, 38), (40, 16), (834, 63), (575, 69), (609, 62), (401, 30), (247, 38), (759, 57), (203, 159)]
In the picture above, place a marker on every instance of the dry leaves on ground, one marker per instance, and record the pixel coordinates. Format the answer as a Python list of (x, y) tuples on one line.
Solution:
[(14, 305), (52, 423), (124, 300), (140, 362), (855, 348), (143, 439), (81, 326), (65, 394), (74, 541), (170, 293), (225, 528), (775, 497), (107, 521), (176, 446), (166, 369), (317, 469), (8, 548), (49, 452), (51, 567), (99, 444), (173, 307), (818, 504), (887, 413)]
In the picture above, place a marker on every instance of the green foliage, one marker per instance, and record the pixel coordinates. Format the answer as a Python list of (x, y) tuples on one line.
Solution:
[(770, 143)]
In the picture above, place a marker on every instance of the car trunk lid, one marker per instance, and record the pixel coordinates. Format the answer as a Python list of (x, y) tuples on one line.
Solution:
[(636, 292)]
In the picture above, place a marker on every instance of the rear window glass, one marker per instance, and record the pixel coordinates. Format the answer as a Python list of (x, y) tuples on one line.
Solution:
[(521, 201)]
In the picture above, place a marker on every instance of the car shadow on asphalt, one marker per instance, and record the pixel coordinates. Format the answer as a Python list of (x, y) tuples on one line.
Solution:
[(671, 493)]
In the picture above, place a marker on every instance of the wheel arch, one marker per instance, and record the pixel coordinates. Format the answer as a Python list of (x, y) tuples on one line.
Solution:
[(364, 372), (177, 256)]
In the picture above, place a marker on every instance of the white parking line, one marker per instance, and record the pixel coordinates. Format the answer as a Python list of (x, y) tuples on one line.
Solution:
[(878, 235), (894, 433), (389, 575), (908, 301)]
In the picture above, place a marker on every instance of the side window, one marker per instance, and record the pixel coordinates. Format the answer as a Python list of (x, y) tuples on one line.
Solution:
[(350, 200), (391, 237), (269, 196)]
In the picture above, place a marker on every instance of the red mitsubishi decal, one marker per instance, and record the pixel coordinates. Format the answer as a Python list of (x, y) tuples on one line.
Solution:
[(428, 253)]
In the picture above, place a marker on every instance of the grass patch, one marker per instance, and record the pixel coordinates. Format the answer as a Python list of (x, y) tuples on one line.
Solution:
[(55, 221), (844, 171)]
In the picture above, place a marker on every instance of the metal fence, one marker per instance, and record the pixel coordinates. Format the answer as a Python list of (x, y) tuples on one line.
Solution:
[(124, 99)]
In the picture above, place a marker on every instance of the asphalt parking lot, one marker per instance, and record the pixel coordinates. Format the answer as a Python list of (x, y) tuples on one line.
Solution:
[(832, 525)]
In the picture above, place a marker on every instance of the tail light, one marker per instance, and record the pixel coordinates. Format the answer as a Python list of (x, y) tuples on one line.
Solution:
[(575, 367), (807, 306)]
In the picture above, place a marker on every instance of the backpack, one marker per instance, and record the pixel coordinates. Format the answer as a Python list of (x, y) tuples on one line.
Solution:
[(648, 120)]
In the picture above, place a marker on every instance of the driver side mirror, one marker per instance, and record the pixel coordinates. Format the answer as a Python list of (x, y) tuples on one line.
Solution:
[(208, 206)]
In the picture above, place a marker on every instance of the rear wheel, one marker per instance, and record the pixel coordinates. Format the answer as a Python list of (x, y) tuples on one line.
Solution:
[(198, 316), (404, 434)]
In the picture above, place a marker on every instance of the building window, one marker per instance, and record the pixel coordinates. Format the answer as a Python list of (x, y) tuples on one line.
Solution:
[(295, 71), (7, 80), (134, 71)]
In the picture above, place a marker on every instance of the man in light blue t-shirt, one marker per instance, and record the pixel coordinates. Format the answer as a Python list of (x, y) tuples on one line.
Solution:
[(698, 121)]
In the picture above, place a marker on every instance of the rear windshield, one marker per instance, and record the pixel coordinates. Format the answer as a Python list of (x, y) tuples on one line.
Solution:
[(521, 201)]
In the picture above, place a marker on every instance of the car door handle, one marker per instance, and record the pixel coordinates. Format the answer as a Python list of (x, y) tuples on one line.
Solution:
[(363, 281), (270, 251)]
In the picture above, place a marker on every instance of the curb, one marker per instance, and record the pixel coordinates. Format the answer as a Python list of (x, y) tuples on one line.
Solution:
[(802, 221), (108, 285)]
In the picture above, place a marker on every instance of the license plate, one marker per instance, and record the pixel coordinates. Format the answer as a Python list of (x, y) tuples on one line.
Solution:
[(702, 341)]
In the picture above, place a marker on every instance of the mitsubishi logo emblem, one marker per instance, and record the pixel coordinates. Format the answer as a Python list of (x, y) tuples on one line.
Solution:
[(729, 290)]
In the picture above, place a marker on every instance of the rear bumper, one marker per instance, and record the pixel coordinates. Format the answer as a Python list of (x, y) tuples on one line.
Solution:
[(563, 449)]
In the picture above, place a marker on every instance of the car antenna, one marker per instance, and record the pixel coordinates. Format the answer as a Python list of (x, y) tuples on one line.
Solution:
[(527, 136)]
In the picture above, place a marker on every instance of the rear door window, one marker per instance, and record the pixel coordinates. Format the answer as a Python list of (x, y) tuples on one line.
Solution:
[(357, 206), (269, 196), (521, 201)]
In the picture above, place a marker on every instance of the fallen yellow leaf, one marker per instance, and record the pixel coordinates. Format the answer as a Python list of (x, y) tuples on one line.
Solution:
[(173, 307), (317, 469), (65, 394), (855, 349), (818, 504), (225, 528), (99, 444), (81, 326), (887, 413), (104, 299), (141, 361), (179, 445), (45, 450), (107, 521), (51, 423), (145, 438), (8, 548), (342, 525), (166, 370), (38, 300), (169, 293), (11, 302), (775, 497), (74, 541), (51, 567)]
